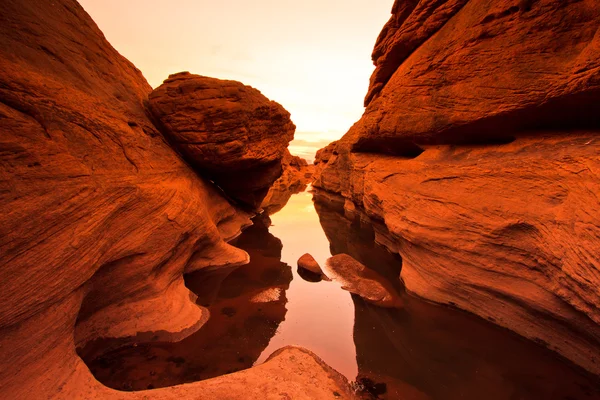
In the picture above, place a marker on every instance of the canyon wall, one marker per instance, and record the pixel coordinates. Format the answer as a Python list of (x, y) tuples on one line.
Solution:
[(100, 218), (478, 153)]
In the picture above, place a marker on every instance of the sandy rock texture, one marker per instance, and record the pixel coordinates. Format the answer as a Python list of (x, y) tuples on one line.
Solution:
[(479, 155), (99, 217), (229, 131)]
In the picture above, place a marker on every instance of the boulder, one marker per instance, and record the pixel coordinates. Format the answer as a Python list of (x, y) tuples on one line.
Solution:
[(310, 264), (227, 131)]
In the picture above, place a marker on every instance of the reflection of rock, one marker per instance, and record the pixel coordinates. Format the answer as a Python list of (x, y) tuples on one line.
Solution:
[(362, 281), (309, 276), (424, 351), (478, 150), (229, 131), (297, 174), (246, 305)]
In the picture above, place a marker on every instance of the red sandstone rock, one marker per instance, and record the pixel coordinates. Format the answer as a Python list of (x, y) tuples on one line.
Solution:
[(228, 131), (99, 219), (309, 263), (505, 230), (477, 71)]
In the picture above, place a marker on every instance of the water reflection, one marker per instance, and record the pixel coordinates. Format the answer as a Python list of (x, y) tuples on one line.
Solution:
[(420, 351), (246, 306), (423, 351), (320, 315)]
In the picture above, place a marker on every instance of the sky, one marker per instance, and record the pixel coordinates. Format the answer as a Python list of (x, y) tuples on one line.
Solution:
[(311, 56)]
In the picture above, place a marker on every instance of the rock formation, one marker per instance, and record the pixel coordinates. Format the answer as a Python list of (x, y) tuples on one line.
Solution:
[(405, 352), (246, 305), (478, 154), (100, 218), (296, 176), (229, 131)]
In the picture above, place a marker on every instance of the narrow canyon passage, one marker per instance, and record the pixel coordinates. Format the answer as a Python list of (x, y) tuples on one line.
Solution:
[(421, 351)]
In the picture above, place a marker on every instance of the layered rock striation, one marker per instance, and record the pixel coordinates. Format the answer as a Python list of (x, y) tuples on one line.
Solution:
[(478, 153), (229, 131), (100, 218)]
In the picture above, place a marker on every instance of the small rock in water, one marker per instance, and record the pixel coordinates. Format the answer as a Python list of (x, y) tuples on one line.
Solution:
[(309, 263), (362, 281)]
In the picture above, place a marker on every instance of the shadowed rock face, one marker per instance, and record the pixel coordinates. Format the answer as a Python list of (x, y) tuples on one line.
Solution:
[(228, 131), (297, 174), (99, 217), (479, 157)]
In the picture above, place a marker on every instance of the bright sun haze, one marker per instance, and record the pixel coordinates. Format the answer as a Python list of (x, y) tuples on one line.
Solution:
[(312, 56)]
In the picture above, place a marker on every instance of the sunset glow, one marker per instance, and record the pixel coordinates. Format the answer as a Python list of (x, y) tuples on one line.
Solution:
[(312, 56)]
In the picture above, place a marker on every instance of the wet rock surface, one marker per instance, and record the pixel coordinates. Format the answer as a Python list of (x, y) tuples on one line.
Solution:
[(477, 154), (228, 131)]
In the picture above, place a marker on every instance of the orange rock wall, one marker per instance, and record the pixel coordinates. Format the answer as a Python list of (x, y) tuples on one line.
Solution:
[(479, 153)]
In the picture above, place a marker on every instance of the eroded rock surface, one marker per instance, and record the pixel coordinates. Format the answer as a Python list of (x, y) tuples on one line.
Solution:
[(99, 217), (478, 153), (229, 131)]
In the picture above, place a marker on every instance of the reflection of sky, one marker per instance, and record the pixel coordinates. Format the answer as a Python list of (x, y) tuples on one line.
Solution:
[(320, 316), (312, 56)]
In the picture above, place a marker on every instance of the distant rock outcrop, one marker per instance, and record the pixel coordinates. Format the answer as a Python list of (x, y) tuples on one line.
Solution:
[(296, 176), (228, 131), (478, 152), (309, 263)]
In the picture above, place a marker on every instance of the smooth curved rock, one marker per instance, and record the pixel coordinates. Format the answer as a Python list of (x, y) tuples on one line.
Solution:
[(479, 155), (310, 264), (409, 349), (100, 218), (246, 304), (228, 131), (362, 281)]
